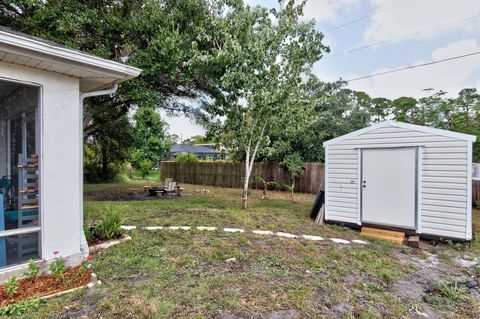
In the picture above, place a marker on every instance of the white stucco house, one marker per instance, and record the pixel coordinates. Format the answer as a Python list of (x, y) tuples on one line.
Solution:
[(42, 88), (401, 176)]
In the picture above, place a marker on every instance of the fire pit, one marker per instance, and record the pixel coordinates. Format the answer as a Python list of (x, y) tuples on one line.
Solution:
[(156, 191)]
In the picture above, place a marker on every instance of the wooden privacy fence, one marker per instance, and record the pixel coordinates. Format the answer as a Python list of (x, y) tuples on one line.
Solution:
[(231, 174), (475, 191)]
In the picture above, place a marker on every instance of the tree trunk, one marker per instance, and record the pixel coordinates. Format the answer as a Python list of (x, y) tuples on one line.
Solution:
[(249, 161), (245, 184), (104, 165), (293, 189), (264, 190)]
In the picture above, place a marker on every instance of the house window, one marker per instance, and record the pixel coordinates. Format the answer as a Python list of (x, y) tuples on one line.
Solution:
[(19, 173)]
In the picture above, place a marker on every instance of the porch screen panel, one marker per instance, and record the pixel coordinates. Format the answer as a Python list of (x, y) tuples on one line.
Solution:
[(19, 173)]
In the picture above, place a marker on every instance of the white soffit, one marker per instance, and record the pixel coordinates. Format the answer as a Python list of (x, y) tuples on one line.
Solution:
[(93, 72)]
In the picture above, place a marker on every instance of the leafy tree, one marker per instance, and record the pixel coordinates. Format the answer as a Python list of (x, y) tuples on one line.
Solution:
[(404, 109), (294, 164), (186, 158), (198, 139), (151, 142), (266, 53), (163, 38)]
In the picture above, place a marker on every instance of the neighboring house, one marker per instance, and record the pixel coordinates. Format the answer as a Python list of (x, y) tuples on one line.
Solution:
[(401, 176), (42, 88), (203, 152)]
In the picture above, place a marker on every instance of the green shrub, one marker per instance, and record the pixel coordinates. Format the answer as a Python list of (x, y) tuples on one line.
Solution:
[(33, 269), (58, 267), (21, 307), (187, 158), (110, 223), (11, 286), (121, 179), (478, 204)]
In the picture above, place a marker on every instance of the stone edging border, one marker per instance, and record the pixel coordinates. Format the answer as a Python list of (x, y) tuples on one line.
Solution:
[(241, 230), (108, 244)]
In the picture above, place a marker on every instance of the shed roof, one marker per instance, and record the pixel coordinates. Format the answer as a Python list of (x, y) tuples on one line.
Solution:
[(94, 72), (198, 149), (413, 127)]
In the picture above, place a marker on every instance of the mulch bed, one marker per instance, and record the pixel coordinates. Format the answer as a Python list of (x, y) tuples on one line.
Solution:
[(45, 285)]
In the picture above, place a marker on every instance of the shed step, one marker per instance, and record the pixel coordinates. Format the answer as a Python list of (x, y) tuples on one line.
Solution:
[(391, 235)]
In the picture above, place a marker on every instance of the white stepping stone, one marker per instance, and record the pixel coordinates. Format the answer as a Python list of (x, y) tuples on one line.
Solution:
[(128, 227), (358, 241), (234, 230), (340, 241), (180, 227), (286, 235), (314, 238), (262, 232), (206, 228), (154, 228)]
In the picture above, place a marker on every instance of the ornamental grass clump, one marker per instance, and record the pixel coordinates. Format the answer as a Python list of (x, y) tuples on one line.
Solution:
[(110, 224)]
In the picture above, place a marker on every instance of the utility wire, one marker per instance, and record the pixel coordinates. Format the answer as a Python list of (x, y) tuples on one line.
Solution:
[(348, 23), (414, 66), (401, 37)]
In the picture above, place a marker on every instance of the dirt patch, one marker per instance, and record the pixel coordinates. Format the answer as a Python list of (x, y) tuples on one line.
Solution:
[(282, 314), (123, 195)]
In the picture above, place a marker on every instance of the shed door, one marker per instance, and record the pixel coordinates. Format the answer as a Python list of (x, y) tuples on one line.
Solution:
[(389, 186)]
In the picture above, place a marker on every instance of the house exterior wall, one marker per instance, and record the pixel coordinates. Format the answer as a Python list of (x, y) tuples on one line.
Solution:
[(60, 159), (443, 181)]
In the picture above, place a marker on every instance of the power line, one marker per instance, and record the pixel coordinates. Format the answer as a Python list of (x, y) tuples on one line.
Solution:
[(401, 37), (414, 66), (348, 23)]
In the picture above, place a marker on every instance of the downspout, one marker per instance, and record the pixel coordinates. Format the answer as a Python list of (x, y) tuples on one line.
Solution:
[(83, 96)]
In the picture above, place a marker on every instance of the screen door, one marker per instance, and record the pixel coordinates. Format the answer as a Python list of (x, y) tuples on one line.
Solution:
[(389, 186)]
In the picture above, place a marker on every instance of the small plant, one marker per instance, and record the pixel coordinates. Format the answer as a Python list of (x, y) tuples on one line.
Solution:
[(272, 185), (110, 223), (145, 166), (453, 292), (89, 231), (264, 184), (477, 270), (33, 269), (58, 266), (477, 203), (21, 307), (11, 286)]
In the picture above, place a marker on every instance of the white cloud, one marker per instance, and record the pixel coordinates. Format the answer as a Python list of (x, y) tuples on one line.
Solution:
[(327, 10), (395, 18), (449, 76)]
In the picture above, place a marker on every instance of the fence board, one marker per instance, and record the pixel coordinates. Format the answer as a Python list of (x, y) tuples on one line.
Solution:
[(231, 174), (475, 191)]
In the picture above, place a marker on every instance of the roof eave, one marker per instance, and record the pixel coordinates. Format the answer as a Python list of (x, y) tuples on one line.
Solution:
[(455, 135), (121, 72)]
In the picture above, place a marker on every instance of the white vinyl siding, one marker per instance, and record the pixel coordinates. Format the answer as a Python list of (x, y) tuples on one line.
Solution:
[(443, 181)]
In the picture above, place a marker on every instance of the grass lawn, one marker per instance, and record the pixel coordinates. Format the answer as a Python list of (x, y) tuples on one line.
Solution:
[(184, 274)]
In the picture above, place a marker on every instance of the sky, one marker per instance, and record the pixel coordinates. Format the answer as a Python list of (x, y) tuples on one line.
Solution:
[(396, 34)]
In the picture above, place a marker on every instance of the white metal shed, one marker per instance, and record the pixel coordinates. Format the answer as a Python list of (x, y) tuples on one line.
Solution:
[(401, 176)]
